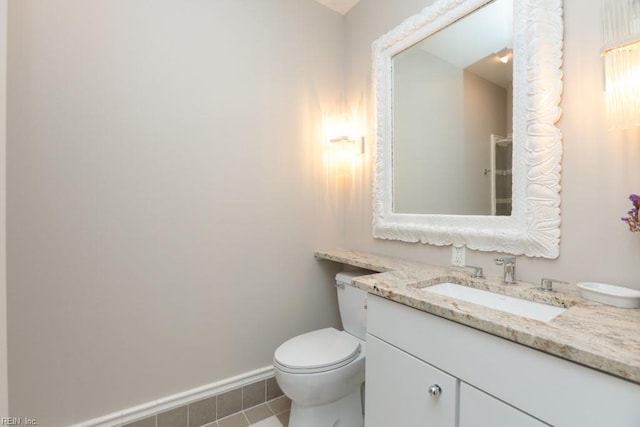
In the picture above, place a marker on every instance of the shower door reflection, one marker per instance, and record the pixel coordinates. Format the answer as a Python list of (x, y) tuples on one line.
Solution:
[(501, 173)]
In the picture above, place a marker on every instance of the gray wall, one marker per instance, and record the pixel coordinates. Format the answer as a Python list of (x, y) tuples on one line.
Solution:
[(600, 167), (485, 113), (428, 141), (165, 194)]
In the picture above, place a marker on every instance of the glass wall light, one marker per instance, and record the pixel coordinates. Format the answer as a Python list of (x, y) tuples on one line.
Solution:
[(349, 146), (344, 154), (343, 147), (621, 52)]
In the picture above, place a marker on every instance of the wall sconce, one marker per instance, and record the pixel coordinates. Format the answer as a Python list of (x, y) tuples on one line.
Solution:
[(342, 146), (349, 146), (344, 154), (621, 52)]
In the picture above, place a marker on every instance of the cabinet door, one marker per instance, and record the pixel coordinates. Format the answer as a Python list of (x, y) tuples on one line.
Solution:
[(397, 390), (478, 409)]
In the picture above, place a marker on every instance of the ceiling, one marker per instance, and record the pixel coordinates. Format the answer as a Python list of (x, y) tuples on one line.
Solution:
[(481, 57), (340, 6)]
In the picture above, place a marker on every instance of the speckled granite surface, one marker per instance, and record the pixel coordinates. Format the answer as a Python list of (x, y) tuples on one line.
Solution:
[(592, 334)]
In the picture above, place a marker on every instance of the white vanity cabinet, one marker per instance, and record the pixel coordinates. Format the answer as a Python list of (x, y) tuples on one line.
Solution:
[(485, 381), (405, 391), (398, 390), (478, 409)]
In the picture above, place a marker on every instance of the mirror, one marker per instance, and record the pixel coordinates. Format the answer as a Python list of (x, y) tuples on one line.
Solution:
[(463, 156), (442, 151)]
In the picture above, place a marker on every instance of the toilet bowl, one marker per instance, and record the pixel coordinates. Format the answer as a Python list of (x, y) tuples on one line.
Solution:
[(323, 371)]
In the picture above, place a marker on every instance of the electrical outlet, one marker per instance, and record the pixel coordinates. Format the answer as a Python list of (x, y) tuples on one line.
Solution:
[(458, 256)]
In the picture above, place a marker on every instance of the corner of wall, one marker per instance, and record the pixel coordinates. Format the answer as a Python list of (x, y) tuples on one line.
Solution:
[(4, 392)]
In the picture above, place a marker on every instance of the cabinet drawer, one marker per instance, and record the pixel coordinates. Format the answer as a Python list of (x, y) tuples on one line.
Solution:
[(478, 409), (554, 390), (398, 390)]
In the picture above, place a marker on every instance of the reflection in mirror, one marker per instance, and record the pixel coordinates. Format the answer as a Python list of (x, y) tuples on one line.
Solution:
[(462, 190), (452, 118)]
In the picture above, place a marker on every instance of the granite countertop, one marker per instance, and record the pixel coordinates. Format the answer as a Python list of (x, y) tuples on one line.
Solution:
[(595, 335)]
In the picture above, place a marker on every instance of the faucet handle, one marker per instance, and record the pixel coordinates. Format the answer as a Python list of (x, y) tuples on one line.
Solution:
[(547, 284), (504, 260), (477, 271)]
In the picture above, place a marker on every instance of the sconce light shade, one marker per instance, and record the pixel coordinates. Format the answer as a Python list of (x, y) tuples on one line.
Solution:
[(356, 144), (344, 154), (621, 52), (343, 145)]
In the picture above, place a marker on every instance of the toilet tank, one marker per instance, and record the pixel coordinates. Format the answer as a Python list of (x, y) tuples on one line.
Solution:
[(352, 303)]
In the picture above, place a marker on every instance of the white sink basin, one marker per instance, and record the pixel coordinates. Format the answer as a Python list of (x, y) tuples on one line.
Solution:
[(521, 307)]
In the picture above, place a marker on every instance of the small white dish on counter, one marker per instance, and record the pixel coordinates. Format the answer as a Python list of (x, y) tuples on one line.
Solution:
[(616, 296)]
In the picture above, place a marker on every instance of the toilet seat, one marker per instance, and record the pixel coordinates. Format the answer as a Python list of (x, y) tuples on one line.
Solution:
[(317, 351)]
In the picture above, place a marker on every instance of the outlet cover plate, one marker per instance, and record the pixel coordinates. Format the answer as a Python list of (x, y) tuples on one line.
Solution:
[(458, 256)]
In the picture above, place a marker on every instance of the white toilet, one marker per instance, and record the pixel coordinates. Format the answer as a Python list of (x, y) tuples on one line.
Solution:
[(322, 371)]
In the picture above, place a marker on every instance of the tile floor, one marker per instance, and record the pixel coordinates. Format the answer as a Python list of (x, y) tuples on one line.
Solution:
[(241, 407), (274, 413), (269, 422)]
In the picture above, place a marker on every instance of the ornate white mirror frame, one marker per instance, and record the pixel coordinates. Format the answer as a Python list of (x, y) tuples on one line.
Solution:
[(533, 229)]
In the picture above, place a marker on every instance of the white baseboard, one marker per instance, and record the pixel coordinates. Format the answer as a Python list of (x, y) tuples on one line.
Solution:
[(117, 419)]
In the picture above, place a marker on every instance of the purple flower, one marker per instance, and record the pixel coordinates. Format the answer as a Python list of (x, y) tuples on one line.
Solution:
[(632, 220)]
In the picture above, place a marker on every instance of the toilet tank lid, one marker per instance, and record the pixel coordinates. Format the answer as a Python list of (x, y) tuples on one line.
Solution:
[(346, 276)]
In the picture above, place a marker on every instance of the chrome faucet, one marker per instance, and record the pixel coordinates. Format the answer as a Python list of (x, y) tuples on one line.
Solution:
[(509, 264)]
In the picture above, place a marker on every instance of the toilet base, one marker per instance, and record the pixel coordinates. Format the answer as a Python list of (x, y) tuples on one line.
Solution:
[(345, 412)]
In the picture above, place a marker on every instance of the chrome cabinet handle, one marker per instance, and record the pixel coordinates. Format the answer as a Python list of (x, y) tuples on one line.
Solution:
[(435, 390)]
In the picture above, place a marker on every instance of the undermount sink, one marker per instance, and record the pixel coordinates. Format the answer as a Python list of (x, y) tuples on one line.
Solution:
[(521, 307)]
